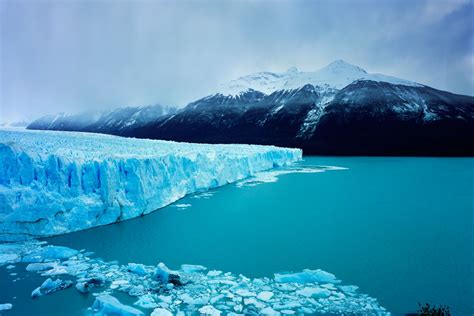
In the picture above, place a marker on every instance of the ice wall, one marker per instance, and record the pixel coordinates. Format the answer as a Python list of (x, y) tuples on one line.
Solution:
[(57, 182)]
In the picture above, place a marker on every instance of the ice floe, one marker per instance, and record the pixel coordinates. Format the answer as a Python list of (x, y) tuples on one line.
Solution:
[(307, 276), (5, 306), (50, 286), (108, 305), (272, 175), (182, 206), (161, 312), (137, 268), (204, 195), (49, 253), (190, 289)]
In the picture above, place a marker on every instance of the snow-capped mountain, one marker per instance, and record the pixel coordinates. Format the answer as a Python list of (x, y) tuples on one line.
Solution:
[(113, 122), (336, 75), (339, 109)]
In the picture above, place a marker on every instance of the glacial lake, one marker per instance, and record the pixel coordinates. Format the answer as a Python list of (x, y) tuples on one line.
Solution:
[(399, 228)]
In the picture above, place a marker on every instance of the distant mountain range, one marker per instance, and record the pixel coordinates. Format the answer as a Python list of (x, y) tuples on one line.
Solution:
[(338, 110), (16, 124), (121, 121)]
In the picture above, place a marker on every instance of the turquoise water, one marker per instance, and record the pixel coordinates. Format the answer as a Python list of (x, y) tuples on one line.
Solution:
[(399, 228)]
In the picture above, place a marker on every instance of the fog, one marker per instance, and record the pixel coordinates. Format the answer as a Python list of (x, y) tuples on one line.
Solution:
[(76, 55)]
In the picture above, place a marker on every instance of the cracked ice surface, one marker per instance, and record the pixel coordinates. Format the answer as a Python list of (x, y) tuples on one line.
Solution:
[(189, 290), (57, 182)]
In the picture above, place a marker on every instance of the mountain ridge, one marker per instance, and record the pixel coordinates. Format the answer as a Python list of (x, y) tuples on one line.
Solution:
[(337, 74), (373, 114)]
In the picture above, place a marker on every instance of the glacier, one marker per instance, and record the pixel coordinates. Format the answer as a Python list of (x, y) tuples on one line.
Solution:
[(57, 182)]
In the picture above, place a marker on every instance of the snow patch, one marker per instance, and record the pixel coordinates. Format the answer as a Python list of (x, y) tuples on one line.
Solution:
[(336, 75)]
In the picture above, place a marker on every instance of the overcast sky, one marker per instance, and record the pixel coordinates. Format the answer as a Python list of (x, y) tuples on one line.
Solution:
[(70, 55)]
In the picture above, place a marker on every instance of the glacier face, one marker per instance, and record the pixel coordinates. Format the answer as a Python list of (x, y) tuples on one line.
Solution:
[(57, 182)]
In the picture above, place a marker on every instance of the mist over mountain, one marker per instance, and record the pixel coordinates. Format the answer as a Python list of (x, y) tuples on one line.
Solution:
[(339, 109), (117, 121)]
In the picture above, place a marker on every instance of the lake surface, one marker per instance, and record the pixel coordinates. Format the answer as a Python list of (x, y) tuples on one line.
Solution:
[(399, 228)]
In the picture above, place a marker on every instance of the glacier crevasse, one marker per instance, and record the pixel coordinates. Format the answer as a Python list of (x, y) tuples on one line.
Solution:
[(57, 182)]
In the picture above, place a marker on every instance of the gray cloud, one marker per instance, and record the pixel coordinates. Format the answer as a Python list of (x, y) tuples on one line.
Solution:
[(72, 55)]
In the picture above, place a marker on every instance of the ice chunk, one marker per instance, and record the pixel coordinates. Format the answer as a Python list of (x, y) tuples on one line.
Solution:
[(161, 312), (165, 275), (82, 287), (182, 206), (329, 286), (245, 293), (117, 283), (214, 273), (313, 292), (166, 299), (136, 290), (146, 301), (5, 307), (253, 301), (137, 268), (190, 268), (8, 258), (269, 311), (349, 289), (54, 182), (35, 267), (217, 298), (307, 276), (265, 296), (49, 286), (209, 310), (108, 305), (50, 253), (57, 270), (36, 292)]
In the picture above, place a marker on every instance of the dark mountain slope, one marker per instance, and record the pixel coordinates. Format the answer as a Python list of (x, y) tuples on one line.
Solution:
[(364, 118), (368, 118)]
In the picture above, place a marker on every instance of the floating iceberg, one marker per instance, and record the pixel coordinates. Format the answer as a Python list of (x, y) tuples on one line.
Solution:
[(50, 286), (109, 305), (5, 307), (161, 312), (50, 253), (165, 275), (57, 182), (37, 267), (307, 276), (137, 268)]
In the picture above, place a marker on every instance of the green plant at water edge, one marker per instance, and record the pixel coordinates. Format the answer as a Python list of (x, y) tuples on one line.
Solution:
[(428, 310)]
